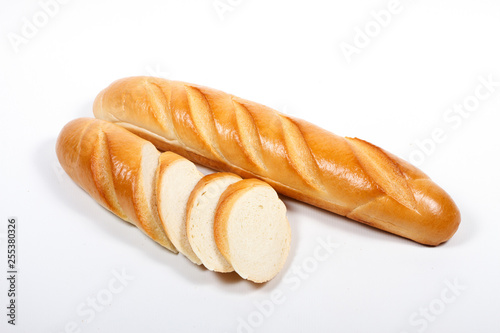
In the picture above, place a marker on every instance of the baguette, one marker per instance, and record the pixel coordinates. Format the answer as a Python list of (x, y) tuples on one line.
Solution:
[(347, 176), (251, 230), (117, 169), (128, 176)]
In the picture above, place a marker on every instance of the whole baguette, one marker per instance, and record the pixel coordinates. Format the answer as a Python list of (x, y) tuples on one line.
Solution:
[(348, 176), (117, 169)]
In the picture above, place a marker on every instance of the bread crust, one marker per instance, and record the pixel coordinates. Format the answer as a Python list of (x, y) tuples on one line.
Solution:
[(105, 160), (347, 176)]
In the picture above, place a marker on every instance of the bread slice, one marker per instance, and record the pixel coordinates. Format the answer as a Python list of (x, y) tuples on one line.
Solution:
[(251, 230), (176, 178), (145, 196), (200, 219)]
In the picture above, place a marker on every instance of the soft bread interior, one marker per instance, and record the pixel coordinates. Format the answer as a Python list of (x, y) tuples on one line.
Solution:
[(176, 183), (258, 234), (200, 222), (149, 164)]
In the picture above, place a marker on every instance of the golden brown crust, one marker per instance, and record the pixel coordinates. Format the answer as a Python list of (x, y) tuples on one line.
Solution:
[(347, 176), (105, 160)]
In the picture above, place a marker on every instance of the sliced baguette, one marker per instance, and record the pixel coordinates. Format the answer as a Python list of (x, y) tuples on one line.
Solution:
[(200, 219), (117, 169), (251, 230), (176, 178)]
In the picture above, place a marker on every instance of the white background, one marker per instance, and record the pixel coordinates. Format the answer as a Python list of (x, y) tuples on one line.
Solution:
[(394, 92)]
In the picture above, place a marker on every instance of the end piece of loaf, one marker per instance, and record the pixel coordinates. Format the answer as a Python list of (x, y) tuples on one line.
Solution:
[(117, 169)]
